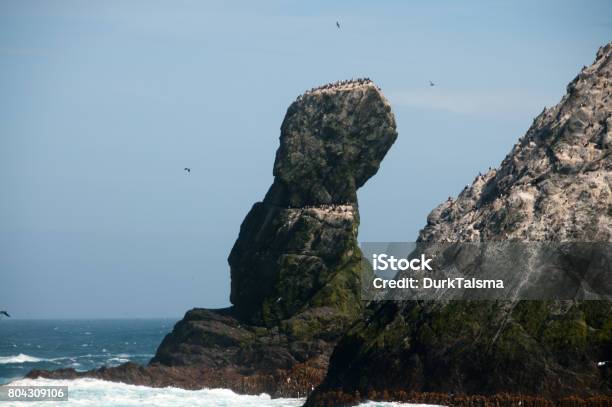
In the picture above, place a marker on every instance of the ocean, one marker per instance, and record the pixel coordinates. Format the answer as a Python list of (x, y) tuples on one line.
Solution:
[(80, 344), (87, 344)]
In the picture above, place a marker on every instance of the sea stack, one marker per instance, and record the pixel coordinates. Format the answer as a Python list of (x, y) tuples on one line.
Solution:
[(297, 250), (553, 186), (295, 267)]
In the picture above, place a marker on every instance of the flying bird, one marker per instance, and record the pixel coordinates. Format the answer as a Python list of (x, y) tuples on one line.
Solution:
[(338, 25), (188, 170), (5, 313), (431, 83)]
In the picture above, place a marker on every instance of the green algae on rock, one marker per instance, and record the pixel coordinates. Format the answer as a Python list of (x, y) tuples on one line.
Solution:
[(298, 248)]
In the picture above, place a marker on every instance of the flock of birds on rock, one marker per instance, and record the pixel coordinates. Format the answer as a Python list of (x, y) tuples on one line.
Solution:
[(337, 84), (346, 82)]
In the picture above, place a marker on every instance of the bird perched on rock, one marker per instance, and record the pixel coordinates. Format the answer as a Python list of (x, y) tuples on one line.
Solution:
[(5, 313), (187, 170)]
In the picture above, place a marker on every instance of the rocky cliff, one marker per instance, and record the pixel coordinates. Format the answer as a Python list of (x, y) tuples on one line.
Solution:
[(295, 266), (555, 184)]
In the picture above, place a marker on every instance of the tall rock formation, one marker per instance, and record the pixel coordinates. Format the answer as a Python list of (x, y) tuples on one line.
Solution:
[(554, 185), (295, 266), (297, 249)]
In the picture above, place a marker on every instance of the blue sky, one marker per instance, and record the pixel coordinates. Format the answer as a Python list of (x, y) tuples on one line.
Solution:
[(105, 102)]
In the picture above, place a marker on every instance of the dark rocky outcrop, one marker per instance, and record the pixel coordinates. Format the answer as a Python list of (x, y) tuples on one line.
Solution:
[(554, 185), (295, 267)]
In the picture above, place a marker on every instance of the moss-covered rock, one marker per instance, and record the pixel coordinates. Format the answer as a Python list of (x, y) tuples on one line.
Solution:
[(298, 248)]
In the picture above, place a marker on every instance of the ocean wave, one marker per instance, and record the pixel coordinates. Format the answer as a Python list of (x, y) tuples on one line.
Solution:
[(117, 360), (105, 356), (94, 392), (21, 358)]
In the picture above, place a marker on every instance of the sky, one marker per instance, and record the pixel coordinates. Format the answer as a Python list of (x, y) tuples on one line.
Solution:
[(105, 102)]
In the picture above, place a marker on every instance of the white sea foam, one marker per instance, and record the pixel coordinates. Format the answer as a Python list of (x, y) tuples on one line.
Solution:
[(104, 356), (93, 392), (21, 358), (115, 361)]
